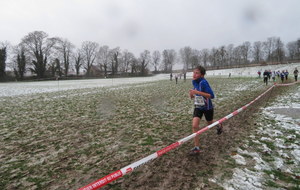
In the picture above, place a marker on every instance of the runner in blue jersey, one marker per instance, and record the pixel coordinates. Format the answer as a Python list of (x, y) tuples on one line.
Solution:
[(203, 95)]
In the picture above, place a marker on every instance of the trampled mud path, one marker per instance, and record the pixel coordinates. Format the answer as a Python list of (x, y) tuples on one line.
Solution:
[(177, 170)]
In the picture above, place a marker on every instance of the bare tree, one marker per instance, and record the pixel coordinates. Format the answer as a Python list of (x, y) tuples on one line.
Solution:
[(103, 58), (229, 55), (214, 57), (292, 50), (89, 50), (20, 61), (156, 56), (186, 56), (269, 48), (279, 51), (57, 67), (114, 59), (195, 58), (257, 51), (222, 55), (65, 49), (245, 51), (169, 57), (298, 48), (3, 56), (134, 66), (78, 57), (39, 46), (237, 55), (127, 58), (205, 56), (145, 59), (52, 68)]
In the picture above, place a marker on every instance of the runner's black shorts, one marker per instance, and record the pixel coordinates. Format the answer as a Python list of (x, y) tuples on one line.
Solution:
[(209, 114)]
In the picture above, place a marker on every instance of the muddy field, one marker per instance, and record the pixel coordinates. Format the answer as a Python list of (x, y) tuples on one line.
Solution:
[(65, 140)]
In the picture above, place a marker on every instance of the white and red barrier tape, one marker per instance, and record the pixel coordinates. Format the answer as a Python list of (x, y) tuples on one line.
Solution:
[(287, 84), (127, 169)]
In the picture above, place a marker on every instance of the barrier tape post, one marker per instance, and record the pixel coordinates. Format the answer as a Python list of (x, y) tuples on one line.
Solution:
[(127, 169)]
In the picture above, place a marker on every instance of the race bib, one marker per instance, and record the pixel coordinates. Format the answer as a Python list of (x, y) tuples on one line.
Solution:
[(198, 101)]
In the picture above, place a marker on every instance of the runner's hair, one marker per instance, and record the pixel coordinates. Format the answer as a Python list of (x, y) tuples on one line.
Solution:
[(201, 69)]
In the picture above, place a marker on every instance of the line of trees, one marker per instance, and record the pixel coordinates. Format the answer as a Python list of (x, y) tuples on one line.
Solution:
[(272, 50), (46, 57)]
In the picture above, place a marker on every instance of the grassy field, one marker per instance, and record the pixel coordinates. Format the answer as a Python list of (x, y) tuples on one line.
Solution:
[(67, 139)]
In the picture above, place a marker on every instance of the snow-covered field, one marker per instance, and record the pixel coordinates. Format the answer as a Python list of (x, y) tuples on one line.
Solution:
[(22, 88), (252, 71)]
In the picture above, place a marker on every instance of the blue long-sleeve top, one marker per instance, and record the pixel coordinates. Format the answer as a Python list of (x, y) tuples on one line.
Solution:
[(202, 85)]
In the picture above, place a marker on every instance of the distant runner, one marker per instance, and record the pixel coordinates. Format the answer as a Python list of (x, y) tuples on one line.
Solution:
[(282, 76), (273, 76), (286, 74), (176, 78), (296, 74), (266, 77), (202, 94)]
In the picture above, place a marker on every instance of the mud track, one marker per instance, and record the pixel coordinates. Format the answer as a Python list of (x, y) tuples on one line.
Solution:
[(177, 170)]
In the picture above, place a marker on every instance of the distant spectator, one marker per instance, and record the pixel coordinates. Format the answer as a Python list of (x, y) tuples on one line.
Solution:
[(176, 78), (296, 74), (171, 76), (184, 76), (229, 75), (259, 73)]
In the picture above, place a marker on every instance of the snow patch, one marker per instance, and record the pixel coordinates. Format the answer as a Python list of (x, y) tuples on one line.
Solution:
[(296, 154), (244, 179), (278, 163), (239, 159)]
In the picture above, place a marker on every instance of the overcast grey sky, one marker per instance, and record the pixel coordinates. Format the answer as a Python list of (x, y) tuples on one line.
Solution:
[(137, 25)]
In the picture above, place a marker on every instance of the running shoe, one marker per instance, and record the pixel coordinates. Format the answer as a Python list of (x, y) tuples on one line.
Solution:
[(195, 150)]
